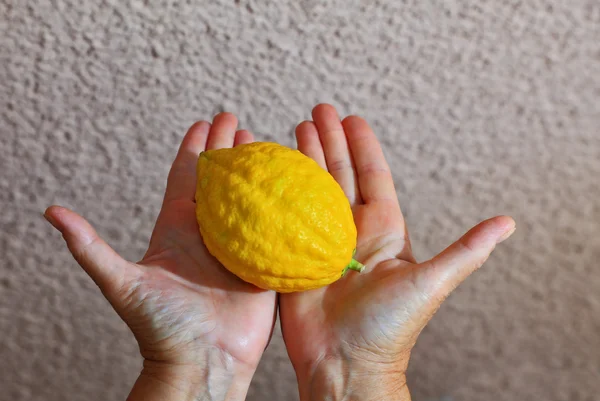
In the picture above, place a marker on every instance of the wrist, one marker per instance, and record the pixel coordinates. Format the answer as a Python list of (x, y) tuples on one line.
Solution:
[(192, 382), (342, 379)]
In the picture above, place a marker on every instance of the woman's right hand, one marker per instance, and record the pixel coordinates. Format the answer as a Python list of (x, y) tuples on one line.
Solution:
[(353, 339)]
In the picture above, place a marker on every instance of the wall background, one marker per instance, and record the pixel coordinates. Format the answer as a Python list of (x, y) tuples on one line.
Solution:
[(484, 107)]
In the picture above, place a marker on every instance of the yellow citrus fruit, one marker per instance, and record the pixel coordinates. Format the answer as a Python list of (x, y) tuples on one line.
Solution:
[(274, 217)]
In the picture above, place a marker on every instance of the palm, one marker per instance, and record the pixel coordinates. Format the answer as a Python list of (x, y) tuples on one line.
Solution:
[(206, 306), (179, 302), (376, 315)]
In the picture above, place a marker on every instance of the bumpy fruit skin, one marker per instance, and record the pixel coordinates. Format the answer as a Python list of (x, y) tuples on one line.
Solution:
[(274, 217)]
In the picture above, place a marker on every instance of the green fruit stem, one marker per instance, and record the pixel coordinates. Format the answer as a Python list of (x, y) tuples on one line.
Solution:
[(354, 265)]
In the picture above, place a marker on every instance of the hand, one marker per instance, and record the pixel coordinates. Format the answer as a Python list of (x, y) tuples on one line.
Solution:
[(354, 337), (200, 329)]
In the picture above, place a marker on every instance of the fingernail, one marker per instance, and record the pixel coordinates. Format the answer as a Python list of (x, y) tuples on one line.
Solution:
[(506, 235)]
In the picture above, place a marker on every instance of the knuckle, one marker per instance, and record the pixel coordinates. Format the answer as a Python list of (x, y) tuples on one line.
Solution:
[(374, 168), (339, 165)]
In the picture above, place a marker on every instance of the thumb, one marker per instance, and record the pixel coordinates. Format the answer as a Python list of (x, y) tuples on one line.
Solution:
[(107, 268), (451, 267)]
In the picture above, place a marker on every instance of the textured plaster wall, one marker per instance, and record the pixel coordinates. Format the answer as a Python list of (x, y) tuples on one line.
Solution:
[(484, 107)]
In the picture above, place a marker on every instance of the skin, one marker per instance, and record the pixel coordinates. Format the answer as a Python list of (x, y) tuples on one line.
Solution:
[(202, 331), (359, 349)]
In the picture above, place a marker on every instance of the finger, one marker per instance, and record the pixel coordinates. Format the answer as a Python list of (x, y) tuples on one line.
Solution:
[(309, 143), (337, 153), (181, 183), (108, 270), (242, 137), (374, 176), (446, 271), (222, 132)]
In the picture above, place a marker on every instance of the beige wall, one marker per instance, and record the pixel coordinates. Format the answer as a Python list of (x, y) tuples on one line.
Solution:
[(484, 107)]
